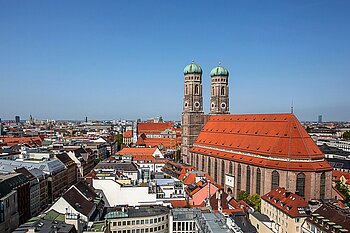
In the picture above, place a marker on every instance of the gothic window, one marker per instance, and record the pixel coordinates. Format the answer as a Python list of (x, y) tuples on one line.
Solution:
[(196, 89), (212, 91), (275, 180), (301, 184), (323, 185), (222, 90), (209, 166), (203, 163), (258, 180), (231, 168), (239, 176), (186, 90), (248, 180), (223, 172), (216, 170)]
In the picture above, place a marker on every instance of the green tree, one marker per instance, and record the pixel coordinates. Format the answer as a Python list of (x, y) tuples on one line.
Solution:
[(119, 140), (254, 201), (342, 189), (346, 135), (242, 195)]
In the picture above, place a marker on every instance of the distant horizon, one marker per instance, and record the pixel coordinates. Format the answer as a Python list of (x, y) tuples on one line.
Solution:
[(150, 118), (125, 60)]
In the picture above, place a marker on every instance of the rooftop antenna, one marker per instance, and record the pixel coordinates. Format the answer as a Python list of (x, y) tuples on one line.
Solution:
[(292, 108)]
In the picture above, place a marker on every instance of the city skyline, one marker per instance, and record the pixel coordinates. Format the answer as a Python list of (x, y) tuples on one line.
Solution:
[(125, 60)]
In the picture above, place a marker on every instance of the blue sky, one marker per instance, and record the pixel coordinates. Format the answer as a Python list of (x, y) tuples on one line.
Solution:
[(124, 59)]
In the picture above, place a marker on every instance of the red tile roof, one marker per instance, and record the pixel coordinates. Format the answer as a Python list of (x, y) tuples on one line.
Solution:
[(127, 134), (288, 202), (153, 128), (337, 174), (136, 151), (261, 139)]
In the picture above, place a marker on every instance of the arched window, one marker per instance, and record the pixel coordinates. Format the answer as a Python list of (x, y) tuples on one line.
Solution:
[(248, 180), (186, 90), (203, 163), (216, 170), (275, 180), (196, 89), (301, 184), (323, 185), (231, 168), (212, 91), (258, 181), (222, 172), (222, 90), (239, 176), (197, 161), (209, 166), (192, 158)]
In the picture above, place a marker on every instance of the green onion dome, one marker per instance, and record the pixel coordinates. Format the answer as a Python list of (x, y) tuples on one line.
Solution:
[(193, 68), (219, 71)]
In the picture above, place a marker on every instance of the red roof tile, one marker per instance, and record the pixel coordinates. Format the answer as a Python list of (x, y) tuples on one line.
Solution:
[(153, 128), (261, 139), (288, 202), (127, 134)]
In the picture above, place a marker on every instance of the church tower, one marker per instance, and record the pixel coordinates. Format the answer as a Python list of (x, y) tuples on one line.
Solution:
[(192, 115), (219, 99)]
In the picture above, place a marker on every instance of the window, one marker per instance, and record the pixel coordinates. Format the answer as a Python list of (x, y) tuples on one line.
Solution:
[(216, 170), (209, 166), (186, 90), (222, 90), (197, 160), (223, 172), (322, 185), (196, 89), (275, 179), (301, 184), (258, 181), (212, 91), (239, 176), (146, 221), (231, 168), (203, 163), (248, 180)]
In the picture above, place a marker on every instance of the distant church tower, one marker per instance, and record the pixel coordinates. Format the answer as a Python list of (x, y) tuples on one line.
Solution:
[(219, 99), (192, 115)]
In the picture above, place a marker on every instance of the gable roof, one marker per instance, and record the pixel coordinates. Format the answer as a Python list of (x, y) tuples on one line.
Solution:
[(153, 128), (270, 140), (79, 202), (136, 151), (288, 202)]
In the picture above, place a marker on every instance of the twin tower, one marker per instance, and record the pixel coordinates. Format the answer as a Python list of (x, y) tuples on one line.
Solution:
[(193, 117)]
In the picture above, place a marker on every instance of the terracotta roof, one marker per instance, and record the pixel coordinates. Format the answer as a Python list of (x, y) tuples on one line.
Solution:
[(144, 158), (261, 139), (288, 202), (190, 178), (155, 142), (337, 174), (178, 203), (153, 128), (127, 134), (136, 151)]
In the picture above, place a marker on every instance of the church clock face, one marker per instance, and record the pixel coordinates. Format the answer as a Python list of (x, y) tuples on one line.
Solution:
[(197, 104), (223, 105)]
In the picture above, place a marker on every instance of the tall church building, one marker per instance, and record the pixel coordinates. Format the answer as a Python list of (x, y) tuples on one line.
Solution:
[(193, 115), (255, 153)]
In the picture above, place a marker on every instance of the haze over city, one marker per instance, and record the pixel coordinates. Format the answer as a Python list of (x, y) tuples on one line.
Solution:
[(125, 60)]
